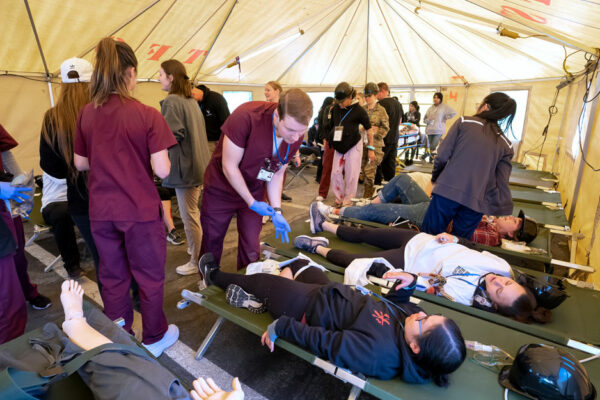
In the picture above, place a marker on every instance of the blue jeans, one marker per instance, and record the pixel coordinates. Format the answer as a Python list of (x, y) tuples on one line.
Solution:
[(443, 210), (414, 203)]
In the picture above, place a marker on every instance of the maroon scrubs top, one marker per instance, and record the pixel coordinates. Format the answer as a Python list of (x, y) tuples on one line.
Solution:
[(7, 142), (250, 127), (118, 139)]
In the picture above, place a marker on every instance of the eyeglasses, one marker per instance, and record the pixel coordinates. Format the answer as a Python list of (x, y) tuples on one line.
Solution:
[(421, 319)]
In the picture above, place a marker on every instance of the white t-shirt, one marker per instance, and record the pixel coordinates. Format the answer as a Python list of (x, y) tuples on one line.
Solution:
[(54, 190), (461, 266)]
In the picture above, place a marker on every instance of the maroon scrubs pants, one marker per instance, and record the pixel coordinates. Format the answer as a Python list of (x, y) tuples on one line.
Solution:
[(216, 212), (327, 161), (29, 289), (13, 310), (137, 249)]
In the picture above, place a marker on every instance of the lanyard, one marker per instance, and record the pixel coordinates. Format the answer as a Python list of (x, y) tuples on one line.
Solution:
[(344, 117), (287, 152), (464, 280)]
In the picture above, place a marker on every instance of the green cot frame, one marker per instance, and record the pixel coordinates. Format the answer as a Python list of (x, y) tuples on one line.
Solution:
[(463, 385), (575, 322)]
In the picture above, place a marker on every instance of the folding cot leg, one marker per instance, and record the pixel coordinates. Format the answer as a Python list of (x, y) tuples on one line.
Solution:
[(209, 338), (354, 393), (50, 266)]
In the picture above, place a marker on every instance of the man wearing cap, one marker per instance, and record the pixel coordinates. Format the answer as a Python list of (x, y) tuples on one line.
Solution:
[(258, 141), (373, 154), (393, 108), (345, 138), (215, 110)]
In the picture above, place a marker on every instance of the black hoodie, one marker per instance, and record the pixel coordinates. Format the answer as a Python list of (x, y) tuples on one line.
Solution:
[(357, 332), (215, 110)]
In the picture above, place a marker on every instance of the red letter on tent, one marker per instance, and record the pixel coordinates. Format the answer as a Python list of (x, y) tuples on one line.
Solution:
[(158, 53), (195, 54), (506, 11), (545, 2), (453, 96)]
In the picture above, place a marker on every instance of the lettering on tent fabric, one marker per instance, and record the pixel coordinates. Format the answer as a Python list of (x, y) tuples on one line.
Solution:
[(508, 11), (458, 77), (158, 53), (453, 96), (195, 53)]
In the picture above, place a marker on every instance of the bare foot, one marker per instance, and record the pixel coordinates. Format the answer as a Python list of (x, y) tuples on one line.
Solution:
[(71, 298)]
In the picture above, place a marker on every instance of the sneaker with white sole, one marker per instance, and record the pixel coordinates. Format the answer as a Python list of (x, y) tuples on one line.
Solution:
[(316, 218), (324, 209), (319, 198), (309, 244), (168, 340), (238, 297), (189, 268), (175, 238)]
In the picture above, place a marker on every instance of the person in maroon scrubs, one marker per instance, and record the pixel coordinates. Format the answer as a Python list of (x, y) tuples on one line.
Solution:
[(121, 141), (259, 139)]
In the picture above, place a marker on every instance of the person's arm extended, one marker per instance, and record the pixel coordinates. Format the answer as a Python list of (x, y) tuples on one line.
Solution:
[(10, 163), (81, 163), (232, 156), (161, 165), (503, 171), (450, 113), (444, 151), (275, 187)]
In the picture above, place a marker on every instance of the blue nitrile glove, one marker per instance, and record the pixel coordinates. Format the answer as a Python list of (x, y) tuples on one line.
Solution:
[(16, 193), (262, 208), (281, 227), (271, 331)]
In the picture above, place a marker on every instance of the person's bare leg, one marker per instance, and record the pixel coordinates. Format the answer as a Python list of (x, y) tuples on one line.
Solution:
[(322, 251), (75, 325), (287, 273), (330, 227), (167, 217)]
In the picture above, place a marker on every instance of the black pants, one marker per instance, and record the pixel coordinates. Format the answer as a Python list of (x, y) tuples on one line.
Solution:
[(282, 296), (83, 224), (387, 169), (57, 216), (391, 240)]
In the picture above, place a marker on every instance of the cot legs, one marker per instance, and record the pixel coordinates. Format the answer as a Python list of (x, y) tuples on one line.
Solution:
[(209, 338)]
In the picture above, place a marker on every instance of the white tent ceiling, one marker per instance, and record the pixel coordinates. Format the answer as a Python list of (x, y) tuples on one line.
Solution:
[(445, 42)]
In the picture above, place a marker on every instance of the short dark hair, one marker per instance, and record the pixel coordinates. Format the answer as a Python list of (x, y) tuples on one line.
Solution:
[(442, 351), (415, 104), (383, 86), (297, 104), (439, 95)]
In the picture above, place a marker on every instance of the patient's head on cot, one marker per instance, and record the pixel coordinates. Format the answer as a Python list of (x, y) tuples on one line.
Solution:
[(436, 343)]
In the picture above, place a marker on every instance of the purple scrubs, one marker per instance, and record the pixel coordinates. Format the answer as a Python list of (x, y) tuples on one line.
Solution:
[(125, 210)]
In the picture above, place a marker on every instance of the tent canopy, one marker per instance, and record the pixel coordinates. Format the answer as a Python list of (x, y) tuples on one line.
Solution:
[(312, 43)]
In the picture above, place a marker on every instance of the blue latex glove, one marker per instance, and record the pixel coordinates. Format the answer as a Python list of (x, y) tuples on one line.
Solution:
[(8, 192), (281, 227), (262, 208)]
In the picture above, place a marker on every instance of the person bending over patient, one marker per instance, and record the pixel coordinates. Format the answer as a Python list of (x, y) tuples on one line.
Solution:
[(466, 276), (148, 370), (383, 339)]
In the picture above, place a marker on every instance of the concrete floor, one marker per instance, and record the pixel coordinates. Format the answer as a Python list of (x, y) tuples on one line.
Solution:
[(235, 351)]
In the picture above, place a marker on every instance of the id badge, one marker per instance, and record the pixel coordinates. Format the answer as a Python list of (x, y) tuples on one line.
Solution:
[(337, 133), (265, 175)]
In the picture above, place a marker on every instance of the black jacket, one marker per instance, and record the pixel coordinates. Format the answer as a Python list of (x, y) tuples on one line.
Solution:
[(53, 163), (357, 332), (349, 117), (395, 112), (215, 110), (413, 119)]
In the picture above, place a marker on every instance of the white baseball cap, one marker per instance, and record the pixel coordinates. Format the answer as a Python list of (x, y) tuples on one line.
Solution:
[(76, 70)]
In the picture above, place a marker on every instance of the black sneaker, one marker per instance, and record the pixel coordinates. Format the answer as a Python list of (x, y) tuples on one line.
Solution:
[(76, 273), (206, 265), (316, 218), (238, 297), (285, 197), (174, 238), (40, 302), (310, 244)]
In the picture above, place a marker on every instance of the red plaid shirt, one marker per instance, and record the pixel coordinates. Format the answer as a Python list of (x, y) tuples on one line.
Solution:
[(487, 232)]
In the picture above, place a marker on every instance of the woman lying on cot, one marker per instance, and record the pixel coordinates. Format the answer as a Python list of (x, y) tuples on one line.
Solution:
[(382, 339), (463, 275)]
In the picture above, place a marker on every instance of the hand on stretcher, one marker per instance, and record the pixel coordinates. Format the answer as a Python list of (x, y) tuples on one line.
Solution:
[(404, 277)]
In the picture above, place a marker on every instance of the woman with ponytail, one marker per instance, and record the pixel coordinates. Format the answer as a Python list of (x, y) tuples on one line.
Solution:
[(472, 169), (189, 157), (121, 142)]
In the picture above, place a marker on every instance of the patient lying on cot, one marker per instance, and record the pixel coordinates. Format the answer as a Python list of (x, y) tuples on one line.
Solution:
[(122, 370), (382, 339), (445, 264), (414, 190)]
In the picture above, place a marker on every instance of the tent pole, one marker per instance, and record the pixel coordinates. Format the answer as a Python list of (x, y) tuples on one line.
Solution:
[(584, 150), (562, 125), (412, 82), (314, 42), (155, 25), (37, 38), (341, 41), (368, 26), (215, 40), (50, 93), (464, 107)]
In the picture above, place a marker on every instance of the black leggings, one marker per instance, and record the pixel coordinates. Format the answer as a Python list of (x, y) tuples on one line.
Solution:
[(392, 240), (282, 296)]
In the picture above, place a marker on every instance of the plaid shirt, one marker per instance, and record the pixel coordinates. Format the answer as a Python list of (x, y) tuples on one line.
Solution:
[(487, 232)]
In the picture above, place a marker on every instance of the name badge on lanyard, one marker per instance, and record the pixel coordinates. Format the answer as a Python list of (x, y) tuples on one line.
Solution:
[(266, 173), (338, 130)]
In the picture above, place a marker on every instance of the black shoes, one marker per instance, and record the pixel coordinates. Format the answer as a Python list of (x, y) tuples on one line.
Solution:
[(40, 302), (206, 265)]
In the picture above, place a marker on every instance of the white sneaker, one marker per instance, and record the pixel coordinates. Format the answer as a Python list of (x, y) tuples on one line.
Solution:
[(319, 198), (168, 340), (323, 209), (188, 268)]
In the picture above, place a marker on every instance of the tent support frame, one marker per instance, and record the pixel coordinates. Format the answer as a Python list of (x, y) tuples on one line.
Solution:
[(412, 81), (37, 38)]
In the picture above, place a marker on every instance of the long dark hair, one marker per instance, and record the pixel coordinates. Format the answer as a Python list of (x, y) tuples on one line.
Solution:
[(112, 60), (442, 351), (525, 309), (181, 83), (502, 110), (415, 105)]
